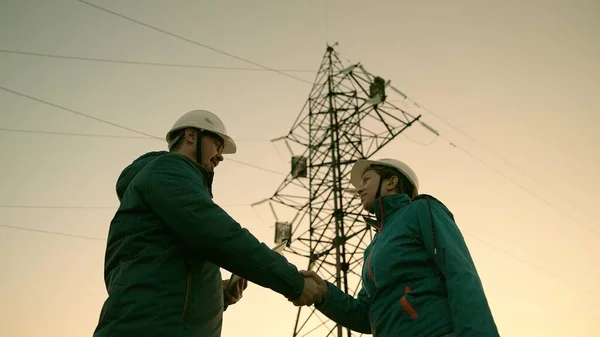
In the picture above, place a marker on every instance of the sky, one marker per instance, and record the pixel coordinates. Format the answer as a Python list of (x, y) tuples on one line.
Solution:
[(510, 85)]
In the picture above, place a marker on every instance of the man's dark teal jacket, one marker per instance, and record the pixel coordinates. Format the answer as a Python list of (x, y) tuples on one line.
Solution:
[(165, 246)]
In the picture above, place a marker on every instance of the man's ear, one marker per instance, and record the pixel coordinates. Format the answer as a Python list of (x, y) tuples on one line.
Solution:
[(392, 183), (190, 135)]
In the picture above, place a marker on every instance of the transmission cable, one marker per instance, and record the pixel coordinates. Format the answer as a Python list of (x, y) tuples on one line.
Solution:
[(57, 207), (52, 233), (528, 190), (76, 134), (123, 127), (505, 161), (57, 133), (282, 73), (131, 62), (91, 207), (77, 112), (191, 41), (16, 206), (502, 250)]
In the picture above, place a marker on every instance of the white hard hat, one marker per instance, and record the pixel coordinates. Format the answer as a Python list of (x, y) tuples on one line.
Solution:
[(204, 120), (361, 166)]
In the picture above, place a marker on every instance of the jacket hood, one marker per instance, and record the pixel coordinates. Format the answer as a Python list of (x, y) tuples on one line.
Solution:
[(132, 170)]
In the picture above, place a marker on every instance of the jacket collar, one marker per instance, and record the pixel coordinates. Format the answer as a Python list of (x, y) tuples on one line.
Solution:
[(208, 178), (204, 173), (384, 206)]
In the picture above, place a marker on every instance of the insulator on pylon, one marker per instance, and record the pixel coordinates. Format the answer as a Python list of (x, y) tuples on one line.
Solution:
[(299, 166), (377, 87), (377, 91), (283, 231)]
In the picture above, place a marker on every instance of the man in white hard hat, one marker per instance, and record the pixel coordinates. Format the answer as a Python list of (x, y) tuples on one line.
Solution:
[(418, 278), (168, 241)]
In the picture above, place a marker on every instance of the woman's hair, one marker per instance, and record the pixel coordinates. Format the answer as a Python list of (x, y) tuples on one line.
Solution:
[(386, 172)]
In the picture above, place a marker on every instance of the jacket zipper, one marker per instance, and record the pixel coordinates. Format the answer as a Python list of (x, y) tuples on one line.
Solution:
[(188, 288), (369, 272), (406, 305)]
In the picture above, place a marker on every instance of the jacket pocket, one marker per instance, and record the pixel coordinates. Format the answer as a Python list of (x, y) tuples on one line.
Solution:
[(188, 289), (406, 304)]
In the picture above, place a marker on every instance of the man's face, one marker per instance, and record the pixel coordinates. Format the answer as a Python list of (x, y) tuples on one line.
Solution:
[(368, 189), (212, 152)]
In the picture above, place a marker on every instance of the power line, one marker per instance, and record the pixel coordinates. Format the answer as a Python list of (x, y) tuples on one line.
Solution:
[(53, 233), (532, 193), (590, 228), (56, 133), (77, 112), (191, 41), (157, 64), (123, 127), (418, 142), (501, 158), (269, 69), (58, 207), (16, 206), (258, 167), (283, 174), (56, 233), (532, 265), (76, 134), (245, 205), (280, 72), (502, 250)]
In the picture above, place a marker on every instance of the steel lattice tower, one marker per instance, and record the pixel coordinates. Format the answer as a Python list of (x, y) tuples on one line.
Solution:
[(345, 118)]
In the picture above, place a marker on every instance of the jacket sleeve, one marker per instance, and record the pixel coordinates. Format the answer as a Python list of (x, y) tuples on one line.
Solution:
[(471, 314), (178, 195), (350, 312)]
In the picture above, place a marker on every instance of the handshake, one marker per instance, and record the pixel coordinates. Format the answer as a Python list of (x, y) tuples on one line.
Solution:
[(315, 289)]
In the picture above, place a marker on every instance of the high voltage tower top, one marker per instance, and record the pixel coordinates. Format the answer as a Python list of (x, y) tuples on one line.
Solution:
[(347, 117)]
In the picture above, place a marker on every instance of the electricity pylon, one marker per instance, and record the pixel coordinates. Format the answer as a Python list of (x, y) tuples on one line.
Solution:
[(346, 117)]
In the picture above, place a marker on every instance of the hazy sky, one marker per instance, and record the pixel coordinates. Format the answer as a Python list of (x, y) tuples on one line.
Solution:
[(520, 77)]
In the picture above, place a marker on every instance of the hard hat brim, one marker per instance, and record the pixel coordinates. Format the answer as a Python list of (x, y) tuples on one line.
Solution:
[(358, 170), (362, 164), (229, 146)]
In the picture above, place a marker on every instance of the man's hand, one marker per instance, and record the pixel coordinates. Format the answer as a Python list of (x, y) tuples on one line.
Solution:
[(320, 283), (315, 289), (234, 294)]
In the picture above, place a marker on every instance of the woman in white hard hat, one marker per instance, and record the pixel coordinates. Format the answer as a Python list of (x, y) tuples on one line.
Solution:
[(418, 278), (168, 240)]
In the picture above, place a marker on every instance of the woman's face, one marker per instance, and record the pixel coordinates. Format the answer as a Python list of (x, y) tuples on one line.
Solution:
[(368, 189)]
